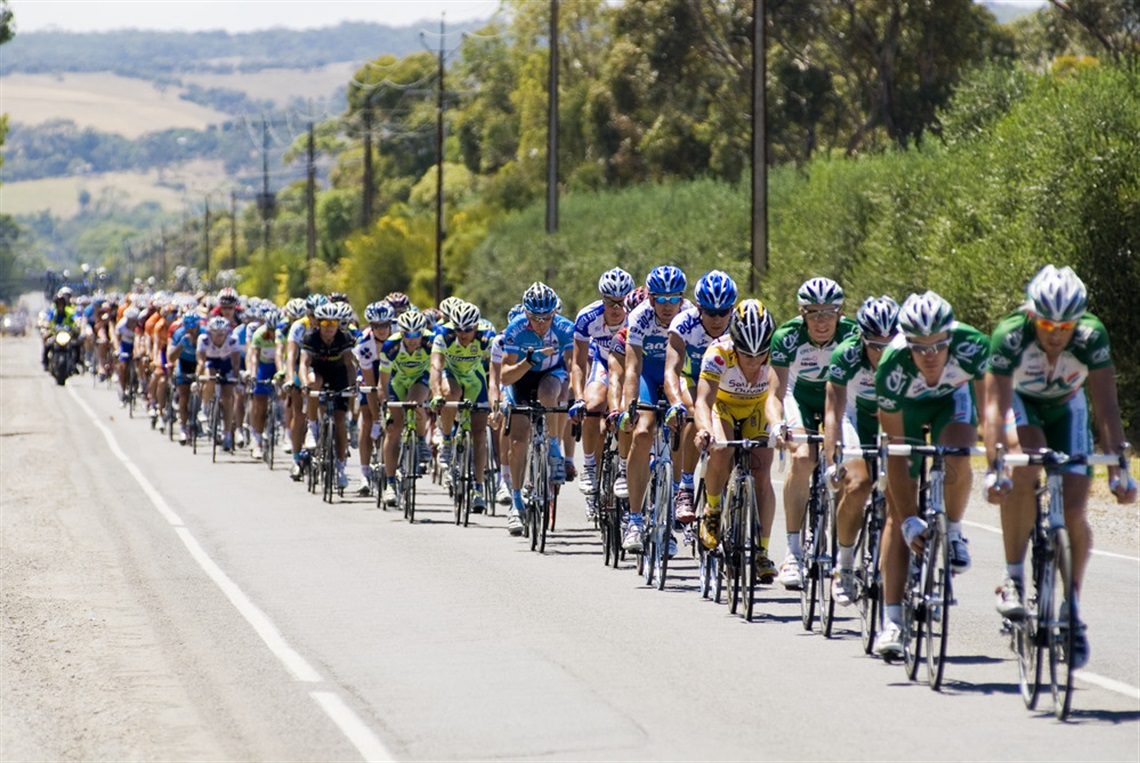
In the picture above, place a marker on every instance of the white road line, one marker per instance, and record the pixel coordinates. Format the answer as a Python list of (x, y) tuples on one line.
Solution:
[(370, 748), (366, 742), (1097, 552), (1108, 683)]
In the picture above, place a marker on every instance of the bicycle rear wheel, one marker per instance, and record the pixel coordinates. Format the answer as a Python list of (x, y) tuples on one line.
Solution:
[(912, 618), (937, 597), (664, 514), (328, 471), (215, 425), (808, 567), (868, 578), (1058, 576)]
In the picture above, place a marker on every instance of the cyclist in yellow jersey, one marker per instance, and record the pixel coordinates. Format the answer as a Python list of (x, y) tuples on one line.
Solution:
[(733, 388)]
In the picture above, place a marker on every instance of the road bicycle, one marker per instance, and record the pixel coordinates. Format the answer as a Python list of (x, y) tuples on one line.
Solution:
[(732, 563), (1044, 635), (817, 536), (274, 416), (492, 477), (461, 470), (868, 593), (539, 501), (408, 461), (658, 508), (324, 461), (929, 591)]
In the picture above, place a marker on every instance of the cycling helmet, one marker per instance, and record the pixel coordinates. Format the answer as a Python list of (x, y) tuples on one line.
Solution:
[(228, 297), (666, 280), (295, 309), (398, 300), (411, 322), (218, 325), (1057, 295), (191, 322), (379, 312), (878, 316), (63, 293), (338, 296), (540, 298), (516, 312), (344, 312), (271, 317), (615, 283), (925, 315), (313, 301), (636, 297), (715, 290), (465, 317), (327, 312), (447, 307), (752, 328), (131, 313), (820, 291), (431, 315)]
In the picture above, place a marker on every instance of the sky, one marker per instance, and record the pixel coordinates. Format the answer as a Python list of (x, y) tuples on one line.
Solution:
[(248, 15), (234, 15)]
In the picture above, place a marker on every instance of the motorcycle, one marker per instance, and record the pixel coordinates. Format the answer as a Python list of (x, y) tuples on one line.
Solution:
[(61, 356)]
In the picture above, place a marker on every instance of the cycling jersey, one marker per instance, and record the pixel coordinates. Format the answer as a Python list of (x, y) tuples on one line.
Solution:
[(213, 351), (264, 346), (851, 369), (687, 326), (617, 345), (807, 365), (590, 326), (1015, 352), (457, 359), (407, 368), (648, 334), (327, 359), (737, 399), (518, 337)]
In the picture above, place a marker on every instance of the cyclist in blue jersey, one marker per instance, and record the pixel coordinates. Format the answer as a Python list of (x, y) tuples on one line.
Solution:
[(644, 379), (536, 355), (183, 351)]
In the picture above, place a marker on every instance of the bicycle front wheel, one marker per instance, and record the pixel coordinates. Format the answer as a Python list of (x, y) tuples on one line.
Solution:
[(664, 513), (912, 617), (808, 567), (868, 579), (749, 549), (1062, 622), (215, 426), (937, 598), (826, 549)]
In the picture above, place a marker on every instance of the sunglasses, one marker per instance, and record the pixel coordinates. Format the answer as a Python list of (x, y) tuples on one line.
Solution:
[(613, 302), (716, 313), (412, 334), (928, 349), (540, 316), (746, 355), (820, 315), (1049, 326), (466, 330), (873, 345), (325, 323), (662, 299)]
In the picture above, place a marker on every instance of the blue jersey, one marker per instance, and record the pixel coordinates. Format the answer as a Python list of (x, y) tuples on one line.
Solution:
[(590, 326), (653, 338), (187, 345), (518, 337)]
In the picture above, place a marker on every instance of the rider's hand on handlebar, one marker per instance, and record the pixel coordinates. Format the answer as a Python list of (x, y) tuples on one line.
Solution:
[(835, 474), (704, 439), (437, 402), (1124, 488), (678, 412), (577, 410), (998, 485)]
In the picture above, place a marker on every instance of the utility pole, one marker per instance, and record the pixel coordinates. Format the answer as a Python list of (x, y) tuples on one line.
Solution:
[(206, 235), (233, 229), (366, 217), (552, 127), (311, 198), (439, 231), (266, 203), (759, 149)]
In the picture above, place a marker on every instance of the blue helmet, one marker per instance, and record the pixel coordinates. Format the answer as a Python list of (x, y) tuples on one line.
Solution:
[(191, 321), (379, 312), (878, 316), (540, 298), (716, 290), (313, 301), (666, 280), (516, 312)]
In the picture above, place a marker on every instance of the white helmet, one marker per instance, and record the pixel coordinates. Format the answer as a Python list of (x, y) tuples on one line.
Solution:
[(820, 291), (465, 316), (925, 315), (1057, 294), (751, 328), (615, 283)]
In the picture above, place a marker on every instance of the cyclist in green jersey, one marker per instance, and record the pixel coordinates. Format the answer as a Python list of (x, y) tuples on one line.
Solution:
[(852, 419), (1043, 356), (801, 352), (408, 353), (457, 355), (931, 374)]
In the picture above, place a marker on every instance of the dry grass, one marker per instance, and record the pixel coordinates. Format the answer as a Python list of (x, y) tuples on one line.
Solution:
[(281, 85)]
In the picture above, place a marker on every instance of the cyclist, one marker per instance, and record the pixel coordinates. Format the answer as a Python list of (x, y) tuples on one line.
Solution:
[(801, 350), (852, 418), (399, 302), (183, 350), (218, 353), (263, 360), (374, 372), (690, 333), (594, 329), (536, 351), (496, 394), (733, 388), (127, 330), (408, 353), (300, 407), (327, 363), (931, 374), (616, 404), (643, 381), (1041, 356), (457, 372)]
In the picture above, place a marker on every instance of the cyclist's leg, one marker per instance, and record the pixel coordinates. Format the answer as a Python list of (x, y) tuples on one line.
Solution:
[(1067, 430), (717, 469), (797, 483), (637, 466), (956, 425)]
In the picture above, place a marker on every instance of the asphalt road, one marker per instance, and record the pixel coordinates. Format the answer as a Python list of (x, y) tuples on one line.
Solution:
[(266, 624)]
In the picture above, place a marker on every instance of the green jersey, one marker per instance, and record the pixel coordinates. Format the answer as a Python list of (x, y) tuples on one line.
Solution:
[(851, 368), (265, 347), (807, 363), (899, 380), (1014, 351)]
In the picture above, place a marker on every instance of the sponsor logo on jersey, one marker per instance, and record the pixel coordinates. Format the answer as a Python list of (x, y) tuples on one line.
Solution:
[(1000, 361), (967, 350), (1012, 340), (1100, 355), (895, 380)]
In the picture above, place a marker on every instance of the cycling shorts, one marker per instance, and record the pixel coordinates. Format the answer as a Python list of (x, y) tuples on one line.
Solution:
[(750, 415), (1065, 425), (524, 391), (474, 385), (955, 408)]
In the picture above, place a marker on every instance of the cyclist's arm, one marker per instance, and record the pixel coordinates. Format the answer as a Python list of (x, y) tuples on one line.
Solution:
[(252, 355), (777, 385), (350, 364), (578, 367), (703, 405), (201, 370), (980, 402), (901, 486), (515, 367), (631, 384), (614, 389), (999, 398), (1106, 409), (834, 412), (436, 379), (235, 363), (494, 393), (291, 350), (305, 371), (674, 366)]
